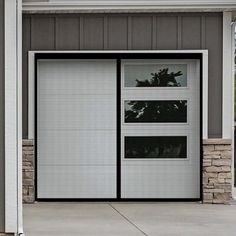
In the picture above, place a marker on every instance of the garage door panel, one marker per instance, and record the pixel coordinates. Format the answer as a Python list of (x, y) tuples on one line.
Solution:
[(76, 129), (142, 182), (77, 182), (77, 112), (81, 78), (160, 131), (78, 147)]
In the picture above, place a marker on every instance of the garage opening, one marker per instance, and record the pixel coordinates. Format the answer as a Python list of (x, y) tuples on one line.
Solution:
[(118, 126)]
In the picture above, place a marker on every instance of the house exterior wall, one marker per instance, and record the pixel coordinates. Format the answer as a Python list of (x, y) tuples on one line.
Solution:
[(130, 32), (87, 32), (133, 32), (138, 32), (2, 151)]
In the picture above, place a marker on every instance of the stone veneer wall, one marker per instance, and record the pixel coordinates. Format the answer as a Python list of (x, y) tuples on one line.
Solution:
[(217, 172), (28, 171)]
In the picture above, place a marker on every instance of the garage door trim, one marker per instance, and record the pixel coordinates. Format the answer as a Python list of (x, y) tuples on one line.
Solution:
[(118, 57)]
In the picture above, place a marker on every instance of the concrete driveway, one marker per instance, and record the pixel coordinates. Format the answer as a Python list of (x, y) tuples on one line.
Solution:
[(129, 219)]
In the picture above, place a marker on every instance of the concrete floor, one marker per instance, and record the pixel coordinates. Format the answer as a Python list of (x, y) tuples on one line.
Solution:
[(129, 219)]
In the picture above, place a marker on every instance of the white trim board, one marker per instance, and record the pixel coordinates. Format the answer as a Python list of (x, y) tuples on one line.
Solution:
[(233, 96), (234, 193), (31, 74), (13, 117), (11, 120), (123, 5), (228, 83), (227, 92), (19, 119)]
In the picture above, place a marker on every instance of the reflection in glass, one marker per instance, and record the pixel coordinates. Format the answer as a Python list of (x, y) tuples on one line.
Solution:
[(156, 75), (164, 111), (156, 147)]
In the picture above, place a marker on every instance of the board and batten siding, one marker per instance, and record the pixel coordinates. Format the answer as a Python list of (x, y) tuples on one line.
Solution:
[(2, 123), (157, 31)]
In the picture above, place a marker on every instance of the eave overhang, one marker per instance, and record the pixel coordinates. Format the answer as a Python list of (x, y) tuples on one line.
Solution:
[(128, 6)]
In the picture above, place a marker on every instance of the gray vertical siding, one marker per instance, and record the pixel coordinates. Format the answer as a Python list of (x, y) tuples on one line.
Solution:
[(166, 39), (67, 30), (191, 39), (117, 33), (2, 177), (140, 32), (213, 42), (92, 33), (131, 31), (43, 33)]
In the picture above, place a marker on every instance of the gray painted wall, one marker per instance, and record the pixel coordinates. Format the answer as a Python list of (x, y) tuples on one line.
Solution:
[(127, 32), (2, 144)]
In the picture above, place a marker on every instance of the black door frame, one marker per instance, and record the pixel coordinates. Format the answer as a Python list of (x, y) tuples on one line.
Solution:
[(118, 57)]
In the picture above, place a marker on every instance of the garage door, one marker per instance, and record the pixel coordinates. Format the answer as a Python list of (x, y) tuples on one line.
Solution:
[(160, 129), (140, 140), (76, 129)]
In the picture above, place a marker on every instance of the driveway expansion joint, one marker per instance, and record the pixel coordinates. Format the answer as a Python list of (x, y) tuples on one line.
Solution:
[(127, 219)]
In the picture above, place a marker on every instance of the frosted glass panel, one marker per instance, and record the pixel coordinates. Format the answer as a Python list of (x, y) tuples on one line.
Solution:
[(155, 75)]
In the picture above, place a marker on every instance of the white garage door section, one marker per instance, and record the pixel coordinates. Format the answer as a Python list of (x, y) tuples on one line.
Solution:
[(76, 129), (160, 129)]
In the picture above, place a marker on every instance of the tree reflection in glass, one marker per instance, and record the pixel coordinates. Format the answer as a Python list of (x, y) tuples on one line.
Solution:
[(155, 75), (153, 111), (157, 111), (161, 79), (156, 147)]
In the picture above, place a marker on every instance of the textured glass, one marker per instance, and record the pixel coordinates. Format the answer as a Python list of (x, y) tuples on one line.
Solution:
[(155, 111), (156, 147), (156, 75)]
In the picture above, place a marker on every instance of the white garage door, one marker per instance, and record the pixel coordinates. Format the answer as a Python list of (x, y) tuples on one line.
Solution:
[(76, 129), (160, 129)]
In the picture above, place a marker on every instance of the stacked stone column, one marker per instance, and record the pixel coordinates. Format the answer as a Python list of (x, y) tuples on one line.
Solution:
[(28, 171), (217, 172)]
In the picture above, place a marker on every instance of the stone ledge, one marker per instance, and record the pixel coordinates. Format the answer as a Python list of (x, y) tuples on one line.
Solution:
[(27, 142), (217, 141)]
